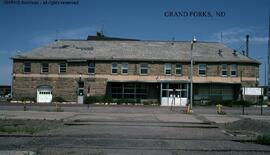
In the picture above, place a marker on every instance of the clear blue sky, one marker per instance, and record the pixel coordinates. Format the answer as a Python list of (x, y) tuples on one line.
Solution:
[(24, 27)]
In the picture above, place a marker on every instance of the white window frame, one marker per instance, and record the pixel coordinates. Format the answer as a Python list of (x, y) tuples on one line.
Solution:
[(168, 67), (178, 67), (43, 68), (114, 67), (61, 67), (202, 69), (224, 70), (233, 69), (93, 66), (144, 66), (124, 67)]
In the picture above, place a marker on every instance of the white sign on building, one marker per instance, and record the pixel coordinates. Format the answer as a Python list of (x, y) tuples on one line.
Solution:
[(252, 91)]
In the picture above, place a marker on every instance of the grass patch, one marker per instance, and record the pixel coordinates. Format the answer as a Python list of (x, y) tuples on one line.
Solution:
[(263, 139)]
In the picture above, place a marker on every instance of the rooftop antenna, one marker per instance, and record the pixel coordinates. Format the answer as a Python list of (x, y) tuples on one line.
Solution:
[(56, 35), (247, 41), (221, 37), (100, 32), (173, 40)]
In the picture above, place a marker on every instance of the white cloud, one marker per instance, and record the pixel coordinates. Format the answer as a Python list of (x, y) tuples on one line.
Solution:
[(236, 35), (76, 33)]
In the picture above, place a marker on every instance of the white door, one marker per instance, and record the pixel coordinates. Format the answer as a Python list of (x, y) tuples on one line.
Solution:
[(44, 94), (174, 94)]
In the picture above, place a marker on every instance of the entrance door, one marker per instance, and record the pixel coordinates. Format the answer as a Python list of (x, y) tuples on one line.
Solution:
[(44, 94), (80, 92), (174, 94)]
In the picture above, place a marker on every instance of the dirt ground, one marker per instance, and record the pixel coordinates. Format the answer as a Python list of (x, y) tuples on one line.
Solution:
[(247, 127)]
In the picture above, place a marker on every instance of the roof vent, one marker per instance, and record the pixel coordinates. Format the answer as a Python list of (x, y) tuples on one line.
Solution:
[(172, 41), (234, 52), (64, 46), (220, 52), (85, 48), (100, 34)]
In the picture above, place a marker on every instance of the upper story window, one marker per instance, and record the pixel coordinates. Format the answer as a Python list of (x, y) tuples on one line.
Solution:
[(62, 67), (178, 69), (144, 69), (91, 68), (168, 69), (27, 67), (224, 70), (125, 68), (44, 67), (233, 69), (202, 69), (114, 68)]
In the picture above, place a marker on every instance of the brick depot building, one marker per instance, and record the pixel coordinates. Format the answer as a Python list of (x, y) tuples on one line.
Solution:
[(132, 69)]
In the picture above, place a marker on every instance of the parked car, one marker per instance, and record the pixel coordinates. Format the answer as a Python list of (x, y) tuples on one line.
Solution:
[(8, 97)]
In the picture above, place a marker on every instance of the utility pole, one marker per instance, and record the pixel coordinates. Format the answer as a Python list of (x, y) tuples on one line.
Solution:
[(247, 40), (191, 71), (268, 56)]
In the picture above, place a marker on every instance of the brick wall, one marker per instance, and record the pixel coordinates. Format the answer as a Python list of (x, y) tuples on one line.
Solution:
[(66, 87)]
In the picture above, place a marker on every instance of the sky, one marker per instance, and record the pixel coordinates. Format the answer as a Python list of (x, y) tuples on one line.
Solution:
[(27, 26)]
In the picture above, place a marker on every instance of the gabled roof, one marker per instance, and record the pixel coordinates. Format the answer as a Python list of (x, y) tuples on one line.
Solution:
[(120, 50)]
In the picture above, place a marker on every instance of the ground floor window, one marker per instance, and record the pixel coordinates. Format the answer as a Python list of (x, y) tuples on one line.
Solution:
[(128, 90), (214, 92)]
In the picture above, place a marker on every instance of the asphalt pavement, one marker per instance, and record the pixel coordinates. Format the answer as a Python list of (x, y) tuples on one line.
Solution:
[(130, 130)]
